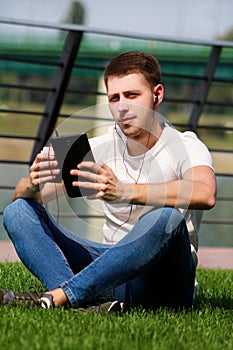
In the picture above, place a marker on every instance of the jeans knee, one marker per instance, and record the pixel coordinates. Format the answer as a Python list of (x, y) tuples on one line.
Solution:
[(167, 218), (174, 219), (10, 212), (14, 216)]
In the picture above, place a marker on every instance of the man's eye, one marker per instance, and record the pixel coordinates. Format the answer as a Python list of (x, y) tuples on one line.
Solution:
[(132, 95), (113, 99)]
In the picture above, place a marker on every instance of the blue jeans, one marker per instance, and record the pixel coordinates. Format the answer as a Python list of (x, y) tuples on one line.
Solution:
[(151, 266)]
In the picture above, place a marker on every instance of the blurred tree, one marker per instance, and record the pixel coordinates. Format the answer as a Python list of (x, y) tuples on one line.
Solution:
[(75, 14), (228, 36)]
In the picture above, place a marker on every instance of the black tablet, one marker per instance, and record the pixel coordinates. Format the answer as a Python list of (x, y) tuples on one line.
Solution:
[(71, 150)]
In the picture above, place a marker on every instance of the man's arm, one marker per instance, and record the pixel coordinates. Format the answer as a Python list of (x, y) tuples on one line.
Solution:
[(196, 190), (48, 192), (25, 189)]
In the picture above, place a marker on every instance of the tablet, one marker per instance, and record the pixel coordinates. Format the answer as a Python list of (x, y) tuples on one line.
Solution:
[(71, 150)]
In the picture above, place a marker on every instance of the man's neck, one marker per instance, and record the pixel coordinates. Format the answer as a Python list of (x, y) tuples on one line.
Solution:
[(146, 141)]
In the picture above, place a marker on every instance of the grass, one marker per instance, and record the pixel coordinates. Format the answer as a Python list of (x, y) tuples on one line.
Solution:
[(207, 326)]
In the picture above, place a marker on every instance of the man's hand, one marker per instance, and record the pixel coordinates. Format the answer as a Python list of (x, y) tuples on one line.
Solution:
[(102, 179), (43, 170)]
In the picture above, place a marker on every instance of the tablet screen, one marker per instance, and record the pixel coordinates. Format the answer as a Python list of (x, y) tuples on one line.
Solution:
[(71, 150)]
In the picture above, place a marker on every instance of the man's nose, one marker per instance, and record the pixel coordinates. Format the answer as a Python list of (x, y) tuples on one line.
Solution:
[(123, 105)]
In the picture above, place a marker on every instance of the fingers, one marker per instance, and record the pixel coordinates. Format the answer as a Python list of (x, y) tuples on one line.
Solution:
[(96, 168), (98, 177), (93, 172), (93, 167), (43, 169)]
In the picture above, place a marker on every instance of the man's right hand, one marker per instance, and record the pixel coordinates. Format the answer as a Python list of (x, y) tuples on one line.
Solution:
[(38, 184), (44, 169)]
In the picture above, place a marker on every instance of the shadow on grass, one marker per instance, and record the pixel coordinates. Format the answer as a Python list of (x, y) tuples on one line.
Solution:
[(215, 289), (222, 302)]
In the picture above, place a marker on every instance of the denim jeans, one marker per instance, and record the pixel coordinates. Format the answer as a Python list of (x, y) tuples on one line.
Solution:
[(151, 266)]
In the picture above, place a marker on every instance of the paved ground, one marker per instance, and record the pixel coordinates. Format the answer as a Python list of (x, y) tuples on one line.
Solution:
[(216, 257), (208, 257)]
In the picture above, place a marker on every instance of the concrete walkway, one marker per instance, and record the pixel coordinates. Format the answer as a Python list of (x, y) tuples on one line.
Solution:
[(209, 257)]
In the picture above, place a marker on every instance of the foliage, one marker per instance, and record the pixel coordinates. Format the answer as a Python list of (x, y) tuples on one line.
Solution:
[(76, 13), (228, 36)]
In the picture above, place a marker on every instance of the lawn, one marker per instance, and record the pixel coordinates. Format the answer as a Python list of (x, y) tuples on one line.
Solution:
[(208, 326)]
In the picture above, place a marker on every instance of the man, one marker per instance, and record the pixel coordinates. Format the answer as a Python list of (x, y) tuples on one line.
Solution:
[(153, 182)]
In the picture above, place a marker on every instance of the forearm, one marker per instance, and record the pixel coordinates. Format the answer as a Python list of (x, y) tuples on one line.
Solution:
[(48, 192), (179, 193), (25, 189)]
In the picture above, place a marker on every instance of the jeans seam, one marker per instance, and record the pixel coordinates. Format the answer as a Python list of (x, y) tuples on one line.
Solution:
[(69, 294)]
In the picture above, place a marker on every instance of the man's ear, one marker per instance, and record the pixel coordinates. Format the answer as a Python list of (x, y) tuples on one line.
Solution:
[(158, 93)]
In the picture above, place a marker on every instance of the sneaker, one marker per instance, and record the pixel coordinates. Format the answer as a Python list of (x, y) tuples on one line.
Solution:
[(105, 308), (30, 299)]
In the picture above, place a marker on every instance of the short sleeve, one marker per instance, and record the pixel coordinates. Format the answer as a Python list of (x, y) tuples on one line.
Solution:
[(195, 152)]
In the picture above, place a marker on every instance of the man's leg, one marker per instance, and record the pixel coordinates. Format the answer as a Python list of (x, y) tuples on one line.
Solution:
[(134, 256), (170, 282), (46, 251), (158, 239)]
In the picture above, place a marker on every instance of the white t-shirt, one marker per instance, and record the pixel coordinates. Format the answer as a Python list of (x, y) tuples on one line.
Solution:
[(168, 160)]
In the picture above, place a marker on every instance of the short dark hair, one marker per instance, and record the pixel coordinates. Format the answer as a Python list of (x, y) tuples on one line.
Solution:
[(134, 62)]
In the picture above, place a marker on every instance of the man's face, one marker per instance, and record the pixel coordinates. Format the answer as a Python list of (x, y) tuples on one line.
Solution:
[(131, 101)]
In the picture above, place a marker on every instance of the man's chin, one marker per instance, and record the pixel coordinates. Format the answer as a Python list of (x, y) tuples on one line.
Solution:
[(130, 131)]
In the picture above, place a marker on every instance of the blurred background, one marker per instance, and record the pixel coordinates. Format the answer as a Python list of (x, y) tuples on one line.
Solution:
[(207, 19), (179, 33)]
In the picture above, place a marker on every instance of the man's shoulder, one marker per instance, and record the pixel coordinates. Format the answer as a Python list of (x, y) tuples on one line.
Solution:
[(172, 135), (187, 134), (184, 145)]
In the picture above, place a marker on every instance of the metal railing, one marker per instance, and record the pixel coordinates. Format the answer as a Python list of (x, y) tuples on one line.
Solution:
[(214, 71)]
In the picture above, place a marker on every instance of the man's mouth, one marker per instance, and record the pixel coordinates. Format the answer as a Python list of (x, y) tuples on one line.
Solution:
[(127, 120)]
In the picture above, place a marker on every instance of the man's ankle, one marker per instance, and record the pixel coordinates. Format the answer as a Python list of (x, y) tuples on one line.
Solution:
[(59, 297)]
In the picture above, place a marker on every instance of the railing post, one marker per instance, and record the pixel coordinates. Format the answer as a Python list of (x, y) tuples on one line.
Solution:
[(55, 97), (204, 87)]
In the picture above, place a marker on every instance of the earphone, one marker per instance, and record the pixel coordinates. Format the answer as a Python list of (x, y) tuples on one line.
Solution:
[(156, 99), (127, 171)]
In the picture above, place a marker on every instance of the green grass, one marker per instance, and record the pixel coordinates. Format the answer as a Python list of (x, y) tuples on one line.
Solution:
[(208, 326)]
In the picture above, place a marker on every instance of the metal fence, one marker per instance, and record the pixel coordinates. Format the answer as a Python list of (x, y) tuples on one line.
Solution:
[(198, 76)]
